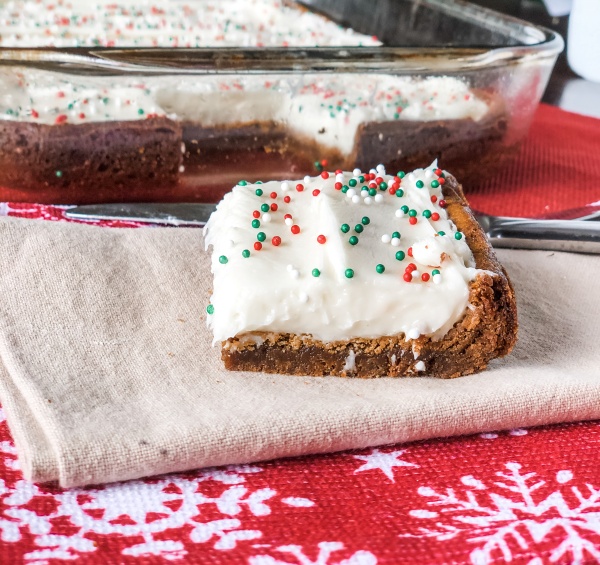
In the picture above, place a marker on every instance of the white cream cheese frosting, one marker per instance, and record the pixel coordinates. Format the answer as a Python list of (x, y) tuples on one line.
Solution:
[(352, 255)]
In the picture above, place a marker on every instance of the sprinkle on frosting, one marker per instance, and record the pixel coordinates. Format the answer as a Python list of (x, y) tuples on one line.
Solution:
[(349, 259)]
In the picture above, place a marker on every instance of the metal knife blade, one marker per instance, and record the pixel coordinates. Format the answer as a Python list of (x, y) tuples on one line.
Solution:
[(580, 236)]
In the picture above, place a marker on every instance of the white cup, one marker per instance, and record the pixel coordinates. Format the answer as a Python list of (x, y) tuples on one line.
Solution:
[(583, 44)]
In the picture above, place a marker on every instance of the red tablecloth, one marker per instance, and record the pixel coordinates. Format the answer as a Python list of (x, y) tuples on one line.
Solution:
[(524, 496)]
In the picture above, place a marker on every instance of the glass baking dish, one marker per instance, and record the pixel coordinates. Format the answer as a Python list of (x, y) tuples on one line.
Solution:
[(451, 81)]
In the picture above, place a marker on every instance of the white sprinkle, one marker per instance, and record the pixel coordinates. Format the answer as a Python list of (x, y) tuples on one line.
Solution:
[(356, 199), (411, 176), (307, 179), (386, 238), (356, 172), (285, 186), (339, 177), (368, 200), (231, 243), (289, 222), (350, 193), (416, 274), (437, 279), (373, 172), (413, 333), (420, 366), (400, 213), (181, 168), (266, 218), (364, 193), (428, 174), (381, 169), (395, 241), (379, 197), (303, 297), (290, 267), (295, 273)]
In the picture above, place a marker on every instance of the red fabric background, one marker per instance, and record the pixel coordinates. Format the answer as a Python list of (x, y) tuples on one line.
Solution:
[(524, 496)]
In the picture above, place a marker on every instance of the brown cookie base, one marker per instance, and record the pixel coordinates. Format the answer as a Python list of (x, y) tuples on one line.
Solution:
[(487, 330)]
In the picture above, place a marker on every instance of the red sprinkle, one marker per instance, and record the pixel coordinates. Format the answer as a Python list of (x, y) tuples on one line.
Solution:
[(316, 192), (61, 119), (256, 214), (411, 267), (34, 114), (321, 239), (82, 116), (338, 171), (393, 190), (434, 198), (435, 216), (287, 199), (425, 277), (378, 180), (442, 203), (323, 162), (372, 185), (299, 187), (274, 207), (324, 175), (412, 220), (273, 195), (407, 277), (295, 229), (338, 186), (287, 216), (60, 94), (409, 251), (441, 180), (257, 245), (276, 241), (398, 180), (438, 172)]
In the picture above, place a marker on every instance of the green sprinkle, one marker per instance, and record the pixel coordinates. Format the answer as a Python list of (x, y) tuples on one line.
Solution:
[(401, 174), (412, 213), (361, 179), (441, 233), (400, 255), (349, 273), (242, 183), (383, 186), (10, 111), (435, 272), (345, 189), (366, 220), (105, 101), (353, 240), (358, 228), (399, 193), (396, 235), (434, 184), (58, 174), (380, 268), (258, 192), (420, 184), (70, 106), (141, 111), (210, 309), (404, 209), (345, 228), (258, 182), (264, 207), (458, 235), (352, 182), (255, 224), (245, 254), (223, 260), (261, 236), (372, 191), (316, 273), (427, 213)]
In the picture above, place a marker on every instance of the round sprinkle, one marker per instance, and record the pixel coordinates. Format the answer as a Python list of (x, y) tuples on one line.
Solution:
[(412, 221), (276, 241), (273, 195), (434, 198), (287, 199), (295, 229), (458, 235), (321, 239), (404, 209), (352, 182), (358, 228), (400, 255), (380, 268), (261, 236), (435, 216), (307, 179), (316, 273), (425, 277), (316, 192), (361, 179), (257, 245), (353, 240), (356, 199), (345, 228), (245, 253), (264, 207), (58, 174), (395, 241), (350, 193), (210, 309), (437, 279), (399, 213), (299, 187), (365, 221), (372, 191), (385, 238), (409, 251), (383, 186), (274, 207), (442, 203), (412, 213), (285, 186), (407, 277), (338, 186), (401, 174), (356, 172), (258, 192), (427, 213), (349, 273), (419, 184), (223, 260), (266, 218), (289, 221), (434, 184), (399, 193), (344, 189), (442, 233), (435, 272), (324, 175), (256, 214), (256, 224), (396, 235)]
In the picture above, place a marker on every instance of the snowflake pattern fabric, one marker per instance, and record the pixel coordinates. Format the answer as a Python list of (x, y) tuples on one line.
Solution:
[(520, 496)]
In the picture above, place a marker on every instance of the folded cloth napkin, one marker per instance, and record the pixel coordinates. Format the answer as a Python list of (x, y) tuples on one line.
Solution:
[(108, 372)]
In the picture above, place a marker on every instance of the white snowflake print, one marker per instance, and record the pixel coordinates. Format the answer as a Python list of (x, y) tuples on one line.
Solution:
[(384, 462), (326, 549), (509, 513), (140, 510)]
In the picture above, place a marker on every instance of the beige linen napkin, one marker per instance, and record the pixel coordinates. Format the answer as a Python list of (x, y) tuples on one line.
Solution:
[(107, 372)]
